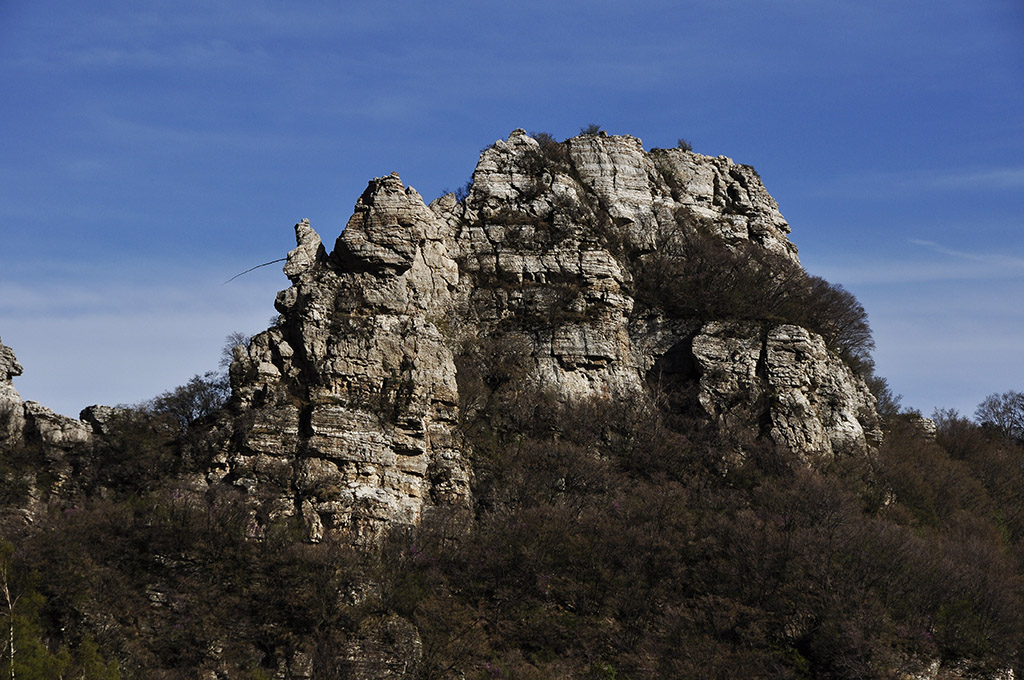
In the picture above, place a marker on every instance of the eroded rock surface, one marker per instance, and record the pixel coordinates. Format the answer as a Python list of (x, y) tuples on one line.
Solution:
[(352, 397), (784, 375), (346, 411), (20, 419), (12, 419), (50, 437)]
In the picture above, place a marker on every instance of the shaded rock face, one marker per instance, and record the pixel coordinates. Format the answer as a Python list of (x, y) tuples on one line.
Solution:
[(389, 647), (346, 412), (30, 423)]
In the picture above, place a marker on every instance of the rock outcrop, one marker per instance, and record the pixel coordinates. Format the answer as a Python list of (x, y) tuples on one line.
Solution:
[(346, 412), (810, 403), (52, 436), (353, 395), (12, 417), (29, 419), (349, 413)]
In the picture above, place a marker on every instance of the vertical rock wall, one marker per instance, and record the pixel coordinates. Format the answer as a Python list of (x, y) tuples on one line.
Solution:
[(12, 418), (350, 402), (346, 411)]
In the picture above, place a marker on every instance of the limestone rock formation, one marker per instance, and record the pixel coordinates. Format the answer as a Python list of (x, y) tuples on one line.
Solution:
[(346, 411), (558, 235), (814, 404), (353, 395), (20, 419), (9, 367), (348, 414), (29, 423)]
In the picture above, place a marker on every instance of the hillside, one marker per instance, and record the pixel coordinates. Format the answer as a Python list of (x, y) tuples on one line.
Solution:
[(587, 417)]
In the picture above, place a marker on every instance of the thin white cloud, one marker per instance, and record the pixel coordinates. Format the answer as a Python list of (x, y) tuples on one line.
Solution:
[(947, 358), (205, 55), (201, 35), (994, 179), (998, 261), (892, 184), (171, 289), (120, 358), (202, 55), (152, 134), (892, 271), (926, 261)]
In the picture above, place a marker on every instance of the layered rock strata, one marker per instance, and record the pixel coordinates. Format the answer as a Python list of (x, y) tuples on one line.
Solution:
[(348, 406), (352, 397), (810, 403)]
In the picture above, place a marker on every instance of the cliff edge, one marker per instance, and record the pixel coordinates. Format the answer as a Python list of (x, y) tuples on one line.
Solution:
[(349, 406)]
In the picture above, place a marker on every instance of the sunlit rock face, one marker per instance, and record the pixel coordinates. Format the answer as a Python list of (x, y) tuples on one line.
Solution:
[(350, 403), (12, 419), (784, 375), (346, 412)]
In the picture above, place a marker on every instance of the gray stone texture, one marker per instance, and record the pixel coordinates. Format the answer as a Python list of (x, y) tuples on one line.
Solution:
[(350, 403), (345, 413)]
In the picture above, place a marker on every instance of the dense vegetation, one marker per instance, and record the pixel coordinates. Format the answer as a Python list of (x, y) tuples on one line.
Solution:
[(606, 543), (692, 274)]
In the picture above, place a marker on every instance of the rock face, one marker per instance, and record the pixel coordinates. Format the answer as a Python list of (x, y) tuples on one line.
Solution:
[(353, 395), (20, 419), (346, 412), (30, 423), (810, 403), (12, 418)]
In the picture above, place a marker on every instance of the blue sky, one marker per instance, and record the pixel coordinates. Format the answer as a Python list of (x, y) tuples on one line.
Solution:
[(151, 150)]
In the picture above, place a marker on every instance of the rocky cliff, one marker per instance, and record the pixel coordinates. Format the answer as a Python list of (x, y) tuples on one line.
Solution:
[(347, 411), (349, 406), (11, 411)]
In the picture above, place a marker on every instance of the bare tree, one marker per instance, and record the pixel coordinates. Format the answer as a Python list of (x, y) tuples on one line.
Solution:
[(193, 401), (9, 600), (234, 339), (1003, 412)]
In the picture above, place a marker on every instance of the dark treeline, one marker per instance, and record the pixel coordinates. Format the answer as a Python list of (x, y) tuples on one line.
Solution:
[(605, 542)]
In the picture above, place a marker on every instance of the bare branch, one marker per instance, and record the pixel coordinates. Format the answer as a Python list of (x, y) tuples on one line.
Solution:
[(280, 259)]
